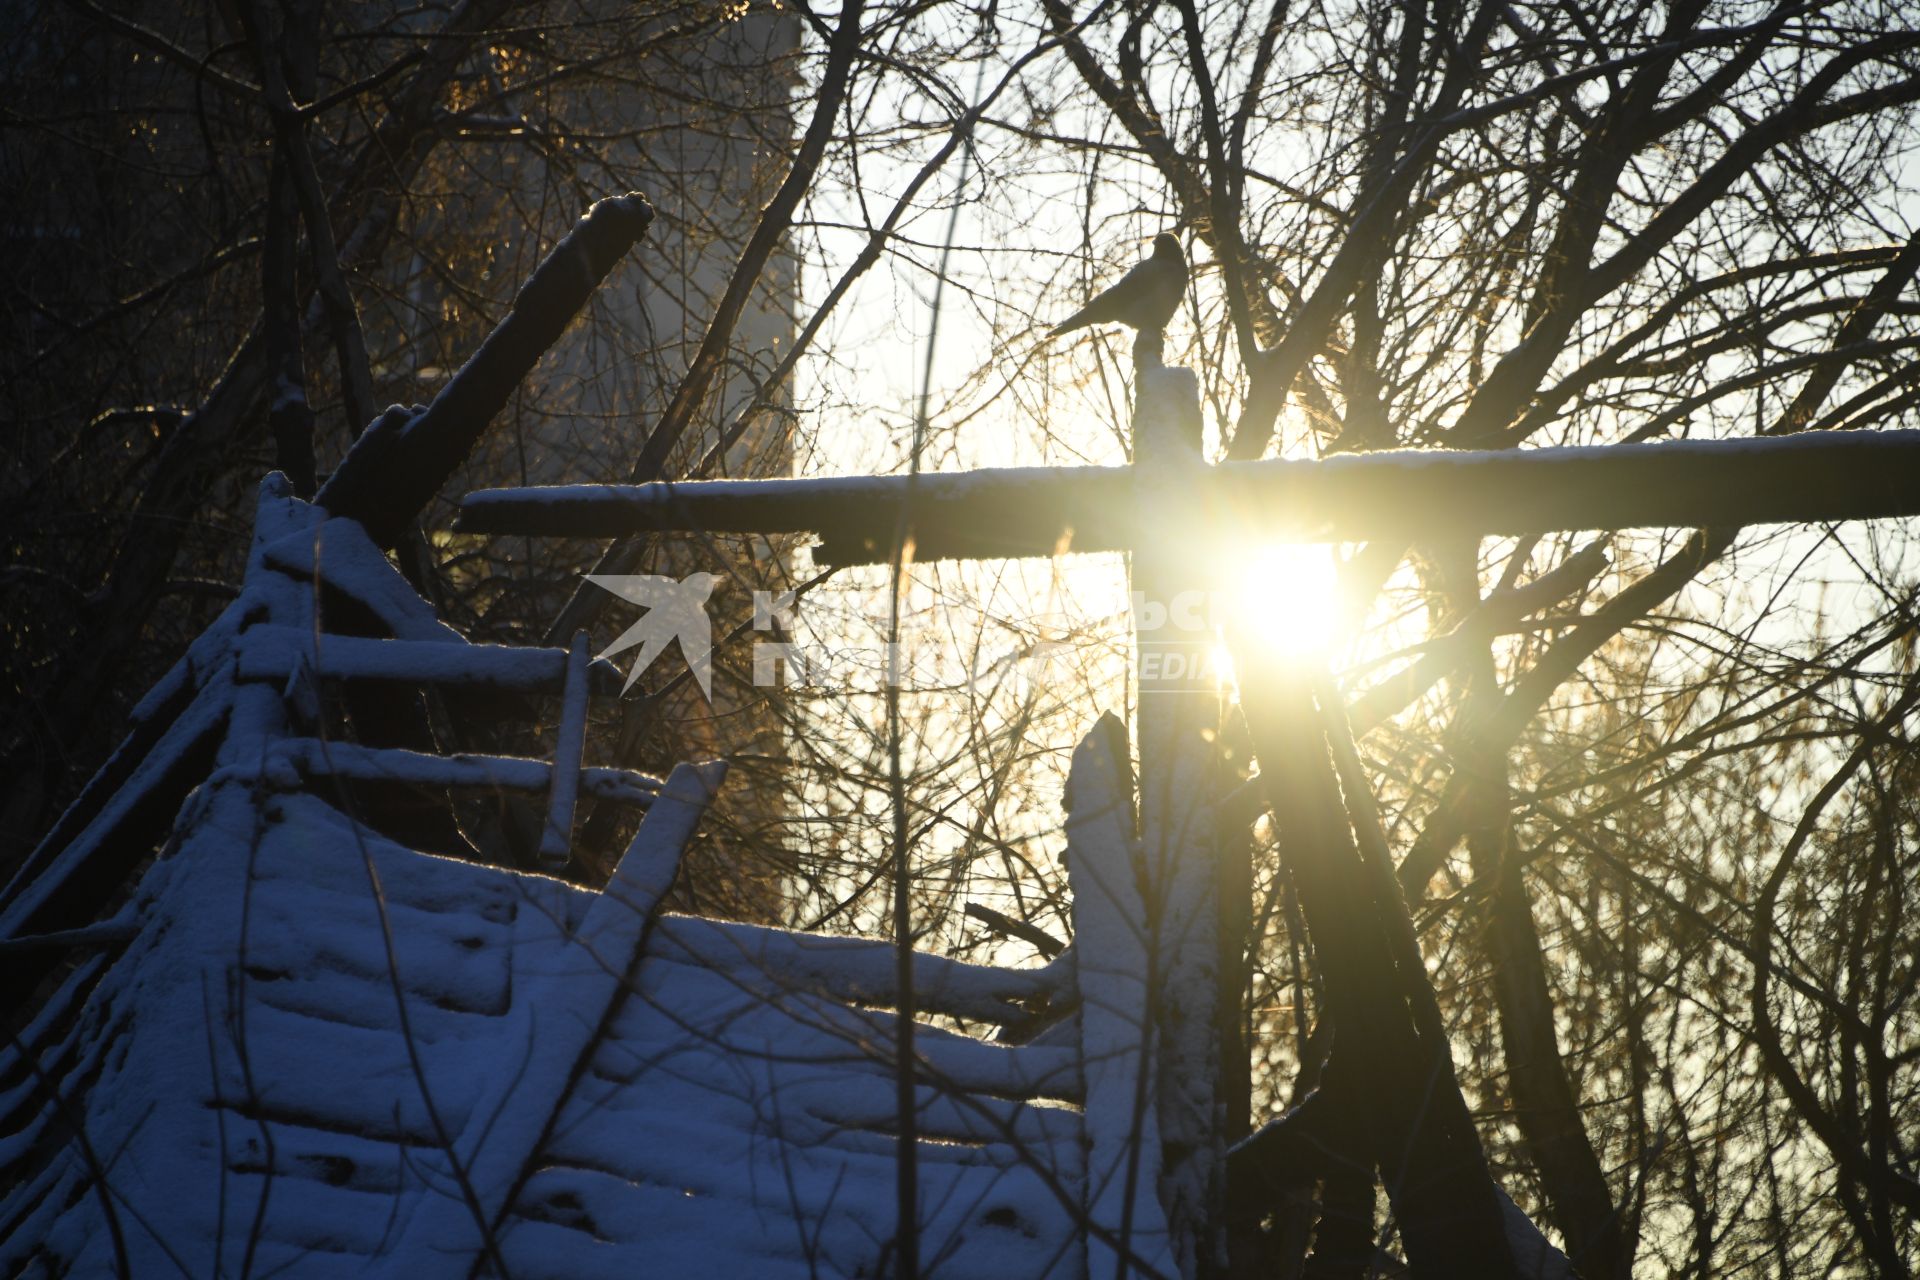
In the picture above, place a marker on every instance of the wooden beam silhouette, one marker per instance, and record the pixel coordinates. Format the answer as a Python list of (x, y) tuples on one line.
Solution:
[(1038, 511)]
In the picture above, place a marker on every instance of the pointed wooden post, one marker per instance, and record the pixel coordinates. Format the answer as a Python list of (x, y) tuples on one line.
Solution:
[(1126, 1230), (1179, 718)]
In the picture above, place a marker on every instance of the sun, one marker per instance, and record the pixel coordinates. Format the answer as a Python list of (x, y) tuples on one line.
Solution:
[(1287, 596)]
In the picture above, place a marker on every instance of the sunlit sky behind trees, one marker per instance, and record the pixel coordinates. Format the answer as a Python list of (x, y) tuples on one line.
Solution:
[(1413, 223)]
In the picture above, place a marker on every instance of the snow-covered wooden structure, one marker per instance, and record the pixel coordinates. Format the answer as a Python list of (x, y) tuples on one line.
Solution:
[(299, 1047)]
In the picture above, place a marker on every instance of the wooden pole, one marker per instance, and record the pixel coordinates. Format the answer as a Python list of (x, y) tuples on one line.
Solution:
[(404, 456), (1179, 720)]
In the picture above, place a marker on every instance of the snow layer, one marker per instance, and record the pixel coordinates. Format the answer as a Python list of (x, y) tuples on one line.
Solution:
[(310, 1019)]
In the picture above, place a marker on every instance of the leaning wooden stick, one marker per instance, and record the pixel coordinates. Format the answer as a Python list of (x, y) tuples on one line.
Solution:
[(401, 460)]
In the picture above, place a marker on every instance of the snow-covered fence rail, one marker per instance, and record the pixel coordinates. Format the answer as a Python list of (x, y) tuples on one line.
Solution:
[(275, 653), (314, 758), (1036, 511), (862, 970)]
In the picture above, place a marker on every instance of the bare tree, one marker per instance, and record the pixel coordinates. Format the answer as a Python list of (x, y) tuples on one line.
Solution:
[(1642, 791)]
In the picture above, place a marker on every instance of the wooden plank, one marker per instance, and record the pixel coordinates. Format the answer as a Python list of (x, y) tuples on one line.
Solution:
[(1126, 1230), (400, 461), (315, 759), (856, 970), (338, 554), (274, 653), (1034, 511)]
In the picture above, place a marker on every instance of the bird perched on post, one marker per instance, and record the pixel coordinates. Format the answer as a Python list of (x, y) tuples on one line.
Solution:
[(1146, 296)]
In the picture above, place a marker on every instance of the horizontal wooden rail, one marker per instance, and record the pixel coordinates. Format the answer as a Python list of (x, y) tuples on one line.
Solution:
[(313, 758), (1029, 511), (270, 652), (859, 971)]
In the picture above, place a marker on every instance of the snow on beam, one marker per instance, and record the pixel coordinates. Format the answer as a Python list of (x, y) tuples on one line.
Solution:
[(338, 554), (1027, 511), (312, 758), (61, 888), (274, 653), (855, 970)]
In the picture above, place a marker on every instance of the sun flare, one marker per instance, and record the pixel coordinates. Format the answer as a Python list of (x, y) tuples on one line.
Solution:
[(1287, 595)]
